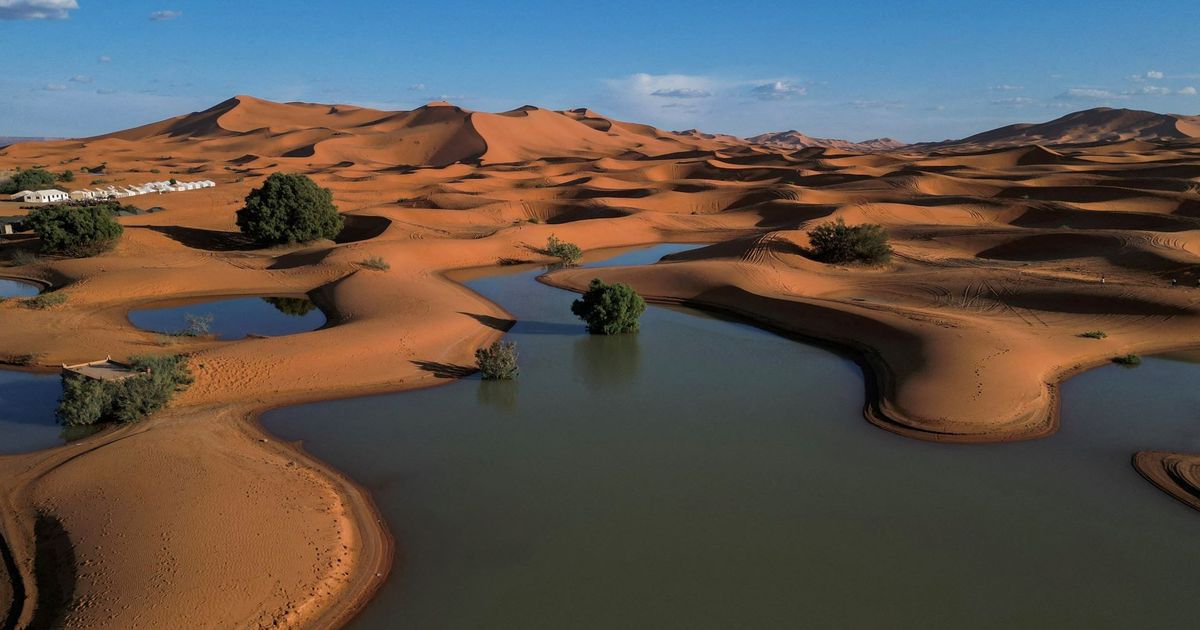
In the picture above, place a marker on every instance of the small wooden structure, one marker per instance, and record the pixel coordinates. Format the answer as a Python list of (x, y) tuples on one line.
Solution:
[(106, 370)]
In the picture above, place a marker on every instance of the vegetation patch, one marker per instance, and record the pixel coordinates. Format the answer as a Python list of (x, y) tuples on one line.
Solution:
[(568, 253), (609, 309), (44, 301), (498, 362), (376, 263), (839, 243), (289, 209), (1094, 334), (1128, 360), (77, 231), (28, 179), (88, 401)]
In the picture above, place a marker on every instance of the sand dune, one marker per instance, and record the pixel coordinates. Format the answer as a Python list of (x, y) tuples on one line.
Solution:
[(999, 254)]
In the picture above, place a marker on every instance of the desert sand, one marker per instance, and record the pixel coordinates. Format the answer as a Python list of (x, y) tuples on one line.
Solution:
[(999, 256)]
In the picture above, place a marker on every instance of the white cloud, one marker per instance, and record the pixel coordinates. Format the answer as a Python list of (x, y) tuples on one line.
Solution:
[(416, 87), (1093, 94), (54, 87), (81, 78), (104, 59), (1004, 87), (37, 9), (162, 16), (1015, 102), (1151, 90), (777, 90), (681, 93), (1188, 91), (1154, 74)]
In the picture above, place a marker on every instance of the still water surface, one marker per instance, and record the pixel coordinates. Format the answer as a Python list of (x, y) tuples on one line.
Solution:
[(16, 288), (236, 318), (708, 474)]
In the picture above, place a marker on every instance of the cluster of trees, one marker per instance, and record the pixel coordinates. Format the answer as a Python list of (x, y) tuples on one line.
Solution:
[(76, 230), (289, 209), (88, 401), (28, 179), (839, 243)]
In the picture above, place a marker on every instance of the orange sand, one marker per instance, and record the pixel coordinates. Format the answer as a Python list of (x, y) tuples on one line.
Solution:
[(968, 332)]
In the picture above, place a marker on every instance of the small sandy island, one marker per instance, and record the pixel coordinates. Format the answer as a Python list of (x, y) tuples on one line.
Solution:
[(196, 518)]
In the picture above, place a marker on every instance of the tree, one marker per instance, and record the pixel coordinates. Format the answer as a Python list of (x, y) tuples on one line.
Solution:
[(289, 209), (66, 176), (568, 253), (498, 362), (75, 230), (837, 242), (29, 179), (609, 309)]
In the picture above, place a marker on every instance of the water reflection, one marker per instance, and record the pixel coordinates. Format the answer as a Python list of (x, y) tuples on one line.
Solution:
[(294, 306), (501, 395), (607, 362)]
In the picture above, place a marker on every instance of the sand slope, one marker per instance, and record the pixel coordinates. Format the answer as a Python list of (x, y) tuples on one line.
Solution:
[(999, 255)]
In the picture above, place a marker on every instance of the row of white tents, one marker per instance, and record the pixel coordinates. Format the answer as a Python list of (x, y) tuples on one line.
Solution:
[(108, 192)]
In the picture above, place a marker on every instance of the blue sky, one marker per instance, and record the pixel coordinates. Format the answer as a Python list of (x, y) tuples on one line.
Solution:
[(912, 70)]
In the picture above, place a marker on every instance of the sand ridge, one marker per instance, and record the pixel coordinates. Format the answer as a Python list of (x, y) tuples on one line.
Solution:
[(997, 269)]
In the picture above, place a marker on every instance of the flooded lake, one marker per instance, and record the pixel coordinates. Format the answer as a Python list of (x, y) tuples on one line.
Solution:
[(708, 474), (234, 318)]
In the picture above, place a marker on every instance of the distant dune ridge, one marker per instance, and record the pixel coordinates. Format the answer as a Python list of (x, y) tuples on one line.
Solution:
[(795, 140), (436, 134), (439, 133), (1101, 124)]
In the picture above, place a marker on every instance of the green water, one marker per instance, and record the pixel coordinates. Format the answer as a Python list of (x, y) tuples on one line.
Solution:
[(708, 474)]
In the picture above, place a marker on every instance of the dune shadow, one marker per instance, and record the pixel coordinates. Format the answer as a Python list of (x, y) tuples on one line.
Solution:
[(208, 240), (497, 323), (54, 572), (361, 227), (444, 370)]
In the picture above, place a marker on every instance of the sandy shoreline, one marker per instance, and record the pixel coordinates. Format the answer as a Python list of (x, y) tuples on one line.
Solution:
[(966, 334)]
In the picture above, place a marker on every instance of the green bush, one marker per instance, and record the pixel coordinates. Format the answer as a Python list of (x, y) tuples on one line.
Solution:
[(837, 243), (88, 401), (289, 209), (76, 230), (609, 309), (1094, 334), (29, 179), (84, 401), (498, 362), (66, 176), (1128, 360), (568, 253)]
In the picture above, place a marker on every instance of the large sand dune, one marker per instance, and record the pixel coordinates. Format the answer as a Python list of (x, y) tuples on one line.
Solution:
[(999, 256)]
